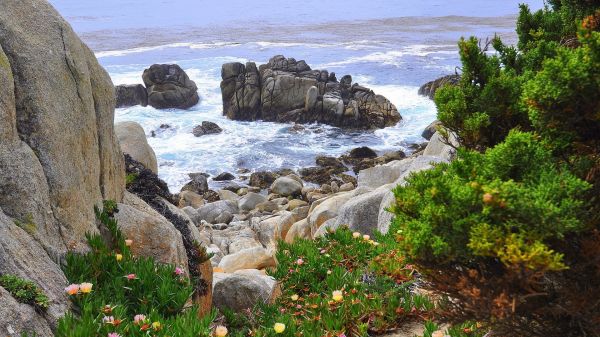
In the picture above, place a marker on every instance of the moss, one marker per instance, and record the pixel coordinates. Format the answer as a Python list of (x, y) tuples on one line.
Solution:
[(27, 224), (24, 291)]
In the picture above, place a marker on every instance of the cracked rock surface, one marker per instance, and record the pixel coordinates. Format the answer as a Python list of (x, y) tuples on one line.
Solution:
[(286, 90)]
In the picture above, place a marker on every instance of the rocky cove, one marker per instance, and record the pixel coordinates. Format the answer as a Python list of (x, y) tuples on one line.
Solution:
[(62, 155)]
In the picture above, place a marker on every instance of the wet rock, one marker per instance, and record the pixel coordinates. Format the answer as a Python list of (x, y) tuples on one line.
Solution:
[(169, 86), (130, 95), (224, 177), (262, 179), (362, 152), (286, 90), (199, 184), (430, 88), (431, 129), (206, 128)]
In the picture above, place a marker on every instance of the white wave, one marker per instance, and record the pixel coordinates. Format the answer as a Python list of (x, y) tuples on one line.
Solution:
[(392, 57)]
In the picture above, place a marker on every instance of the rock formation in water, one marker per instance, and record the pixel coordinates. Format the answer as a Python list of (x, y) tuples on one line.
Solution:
[(169, 86), (429, 89), (286, 90)]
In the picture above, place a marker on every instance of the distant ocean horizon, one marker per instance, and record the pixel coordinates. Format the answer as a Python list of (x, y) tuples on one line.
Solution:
[(391, 46)]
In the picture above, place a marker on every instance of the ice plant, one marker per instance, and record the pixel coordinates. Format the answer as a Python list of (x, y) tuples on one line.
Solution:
[(156, 326), (108, 320), (73, 289), (137, 319), (294, 297), (114, 334), (221, 331), (299, 262), (356, 235), (178, 271), (131, 277), (337, 296), (119, 257), (279, 327), (86, 288), (366, 237)]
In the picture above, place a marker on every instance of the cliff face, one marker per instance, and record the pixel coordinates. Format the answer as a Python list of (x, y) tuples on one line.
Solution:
[(58, 152)]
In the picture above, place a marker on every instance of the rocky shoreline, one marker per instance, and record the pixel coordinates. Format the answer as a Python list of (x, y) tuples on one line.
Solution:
[(61, 156)]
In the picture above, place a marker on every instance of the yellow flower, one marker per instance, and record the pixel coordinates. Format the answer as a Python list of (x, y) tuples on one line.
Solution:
[(156, 326), (221, 331), (329, 272), (279, 327), (337, 296), (294, 297), (119, 257), (128, 243), (86, 288), (355, 235), (366, 237)]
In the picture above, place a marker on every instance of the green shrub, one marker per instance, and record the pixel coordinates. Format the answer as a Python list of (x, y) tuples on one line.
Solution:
[(25, 291), (374, 295), (111, 287), (508, 204)]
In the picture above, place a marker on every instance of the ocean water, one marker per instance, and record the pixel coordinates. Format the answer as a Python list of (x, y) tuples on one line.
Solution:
[(391, 46)]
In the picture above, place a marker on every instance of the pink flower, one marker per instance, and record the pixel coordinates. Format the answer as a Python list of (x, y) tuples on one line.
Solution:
[(114, 334), (137, 319), (108, 320), (178, 271), (131, 277), (73, 289), (299, 262), (342, 335)]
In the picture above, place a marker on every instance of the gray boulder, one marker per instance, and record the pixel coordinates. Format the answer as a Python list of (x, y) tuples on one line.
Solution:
[(199, 184), (249, 201), (430, 88), (134, 143), (431, 129), (206, 128), (130, 95), (169, 86), (210, 212), (239, 292), (361, 213), (286, 186)]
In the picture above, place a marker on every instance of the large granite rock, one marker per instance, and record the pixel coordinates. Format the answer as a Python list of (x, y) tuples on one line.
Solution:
[(169, 86), (286, 90), (59, 155), (241, 291), (152, 234), (131, 94), (430, 88), (134, 143), (26, 258)]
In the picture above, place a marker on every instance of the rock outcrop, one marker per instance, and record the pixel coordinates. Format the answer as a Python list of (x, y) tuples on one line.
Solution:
[(206, 128), (59, 156), (430, 88), (134, 143), (131, 94), (286, 90), (169, 86)]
